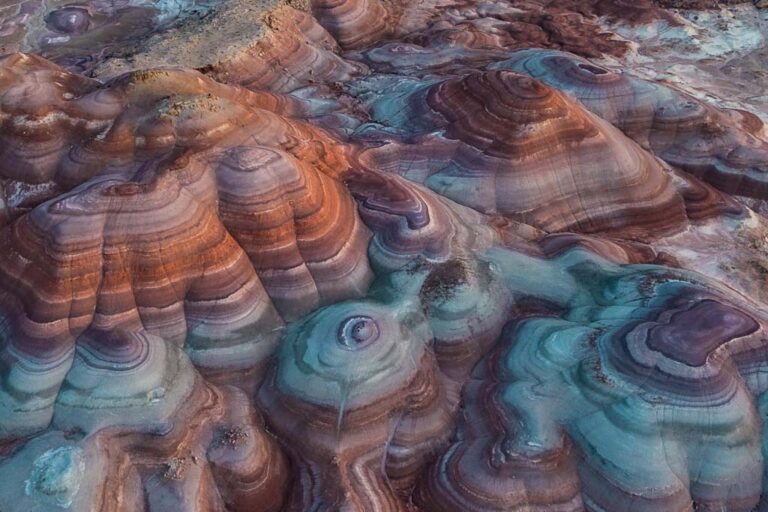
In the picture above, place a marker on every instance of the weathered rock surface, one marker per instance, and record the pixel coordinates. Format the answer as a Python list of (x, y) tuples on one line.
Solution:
[(382, 255)]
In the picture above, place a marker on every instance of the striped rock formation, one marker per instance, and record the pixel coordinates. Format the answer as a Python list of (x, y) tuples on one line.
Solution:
[(377, 255), (213, 455), (634, 391), (720, 146), (502, 143), (171, 206), (356, 399)]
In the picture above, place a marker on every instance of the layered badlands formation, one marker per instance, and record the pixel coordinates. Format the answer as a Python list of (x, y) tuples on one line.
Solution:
[(373, 255)]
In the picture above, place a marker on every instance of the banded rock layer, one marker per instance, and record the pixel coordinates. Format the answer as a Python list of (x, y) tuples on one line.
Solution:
[(510, 145), (373, 255), (720, 146)]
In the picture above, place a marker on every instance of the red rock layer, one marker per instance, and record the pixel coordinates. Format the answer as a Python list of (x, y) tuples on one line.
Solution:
[(39, 122), (156, 183), (59, 128), (293, 222), (155, 115), (121, 253), (356, 23), (513, 146), (719, 146), (521, 348)]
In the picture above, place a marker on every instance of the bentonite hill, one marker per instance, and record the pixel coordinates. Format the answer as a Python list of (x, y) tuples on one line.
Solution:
[(383, 255)]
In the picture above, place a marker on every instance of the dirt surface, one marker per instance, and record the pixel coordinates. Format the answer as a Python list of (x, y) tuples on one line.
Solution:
[(200, 41)]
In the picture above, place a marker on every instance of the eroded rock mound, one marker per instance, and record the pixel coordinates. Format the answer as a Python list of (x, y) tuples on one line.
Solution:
[(375, 255), (722, 147), (502, 143)]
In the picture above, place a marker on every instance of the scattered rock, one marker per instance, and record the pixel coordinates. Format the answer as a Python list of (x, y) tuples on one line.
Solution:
[(176, 468), (233, 437)]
